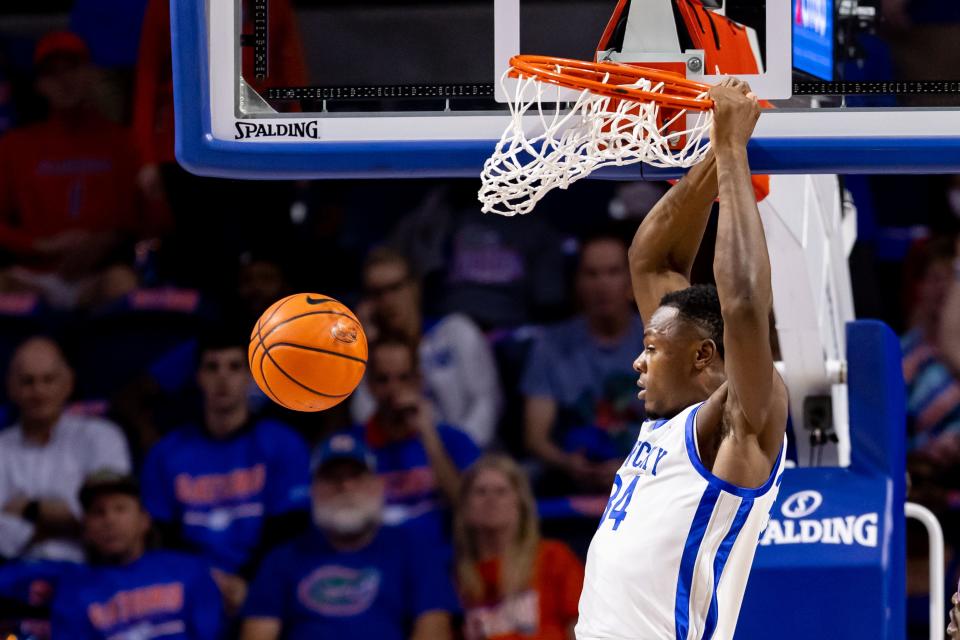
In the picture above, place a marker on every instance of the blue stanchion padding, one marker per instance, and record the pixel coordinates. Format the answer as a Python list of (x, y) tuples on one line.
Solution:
[(831, 563)]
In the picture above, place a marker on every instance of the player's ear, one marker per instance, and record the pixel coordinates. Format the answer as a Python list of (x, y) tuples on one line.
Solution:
[(706, 354)]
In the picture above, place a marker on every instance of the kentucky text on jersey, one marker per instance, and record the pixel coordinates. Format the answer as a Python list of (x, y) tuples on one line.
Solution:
[(135, 604), (674, 547), (646, 457)]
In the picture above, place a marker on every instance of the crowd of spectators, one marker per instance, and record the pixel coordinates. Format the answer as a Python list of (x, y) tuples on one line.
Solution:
[(148, 488)]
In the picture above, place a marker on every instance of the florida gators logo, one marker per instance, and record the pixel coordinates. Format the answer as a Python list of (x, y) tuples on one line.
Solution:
[(339, 591)]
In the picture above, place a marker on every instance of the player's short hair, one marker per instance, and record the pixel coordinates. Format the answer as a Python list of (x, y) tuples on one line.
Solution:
[(700, 305)]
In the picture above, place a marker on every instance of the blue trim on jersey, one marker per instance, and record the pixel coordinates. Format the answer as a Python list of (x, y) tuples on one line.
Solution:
[(723, 553), (657, 424), (714, 481), (688, 560)]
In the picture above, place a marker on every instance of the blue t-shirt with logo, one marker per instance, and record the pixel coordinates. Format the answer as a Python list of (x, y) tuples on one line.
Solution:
[(163, 594), (412, 494), (221, 490), (376, 592)]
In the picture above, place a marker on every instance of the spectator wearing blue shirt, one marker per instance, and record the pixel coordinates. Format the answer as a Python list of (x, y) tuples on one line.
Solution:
[(350, 577), (581, 414), (234, 485), (127, 591), (418, 457)]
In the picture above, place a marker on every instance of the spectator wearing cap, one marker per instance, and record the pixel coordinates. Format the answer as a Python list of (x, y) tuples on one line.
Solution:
[(419, 458), (69, 207), (126, 590), (350, 577), (232, 485), (459, 372), (45, 456)]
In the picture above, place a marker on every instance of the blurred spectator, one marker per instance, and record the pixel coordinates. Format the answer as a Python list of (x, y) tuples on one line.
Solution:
[(350, 578), (513, 584), (953, 629), (68, 199), (459, 372), (233, 485), (582, 414), (418, 457), (931, 368), (45, 456), (128, 591), (502, 273), (214, 217)]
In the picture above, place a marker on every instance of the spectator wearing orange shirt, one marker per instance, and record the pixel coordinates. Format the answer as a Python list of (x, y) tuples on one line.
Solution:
[(214, 217), (513, 584), (68, 196)]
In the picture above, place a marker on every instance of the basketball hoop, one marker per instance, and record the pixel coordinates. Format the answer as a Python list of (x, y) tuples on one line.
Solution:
[(623, 115)]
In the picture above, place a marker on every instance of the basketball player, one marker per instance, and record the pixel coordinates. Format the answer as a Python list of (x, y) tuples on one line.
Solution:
[(671, 556)]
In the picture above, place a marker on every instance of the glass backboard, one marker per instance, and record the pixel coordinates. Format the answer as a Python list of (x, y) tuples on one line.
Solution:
[(316, 88)]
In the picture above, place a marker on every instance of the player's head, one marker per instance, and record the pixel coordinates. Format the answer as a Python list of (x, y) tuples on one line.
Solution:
[(392, 289), (603, 277), (39, 381), (347, 494), (115, 524), (682, 360), (392, 369), (222, 371), (63, 70), (496, 501)]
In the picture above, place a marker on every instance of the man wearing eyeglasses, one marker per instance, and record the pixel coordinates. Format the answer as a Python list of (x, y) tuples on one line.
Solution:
[(459, 373)]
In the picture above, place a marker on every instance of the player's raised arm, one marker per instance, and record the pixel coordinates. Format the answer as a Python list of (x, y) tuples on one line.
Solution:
[(665, 245), (742, 268)]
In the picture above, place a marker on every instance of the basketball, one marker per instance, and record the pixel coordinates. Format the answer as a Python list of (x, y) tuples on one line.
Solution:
[(308, 352)]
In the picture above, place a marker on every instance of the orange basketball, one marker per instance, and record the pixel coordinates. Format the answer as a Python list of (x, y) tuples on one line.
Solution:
[(308, 352)]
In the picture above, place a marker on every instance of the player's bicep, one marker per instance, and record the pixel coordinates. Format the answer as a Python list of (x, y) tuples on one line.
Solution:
[(752, 380), (649, 287)]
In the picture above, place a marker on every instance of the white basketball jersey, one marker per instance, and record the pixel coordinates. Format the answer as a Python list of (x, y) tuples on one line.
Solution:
[(673, 551)]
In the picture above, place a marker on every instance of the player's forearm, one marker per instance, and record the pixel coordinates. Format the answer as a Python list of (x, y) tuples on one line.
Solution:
[(669, 237), (741, 264)]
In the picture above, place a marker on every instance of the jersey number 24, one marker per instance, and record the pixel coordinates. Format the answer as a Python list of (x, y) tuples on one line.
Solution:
[(617, 504)]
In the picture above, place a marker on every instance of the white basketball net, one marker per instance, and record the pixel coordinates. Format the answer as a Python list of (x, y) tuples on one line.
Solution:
[(542, 148)]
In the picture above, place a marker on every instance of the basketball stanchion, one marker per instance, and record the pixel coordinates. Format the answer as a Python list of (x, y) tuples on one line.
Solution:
[(623, 115)]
